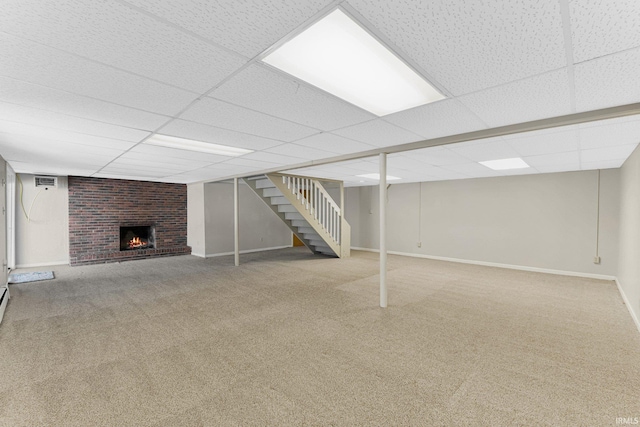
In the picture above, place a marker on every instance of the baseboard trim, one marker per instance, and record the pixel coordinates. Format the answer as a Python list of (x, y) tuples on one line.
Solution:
[(45, 264), (198, 254), (495, 264), (626, 302), (248, 251)]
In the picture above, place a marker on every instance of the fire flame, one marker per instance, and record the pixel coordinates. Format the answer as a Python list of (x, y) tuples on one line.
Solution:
[(136, 243)]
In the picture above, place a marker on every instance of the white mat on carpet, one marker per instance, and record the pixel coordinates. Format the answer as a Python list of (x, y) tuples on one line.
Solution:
[(30, 277)]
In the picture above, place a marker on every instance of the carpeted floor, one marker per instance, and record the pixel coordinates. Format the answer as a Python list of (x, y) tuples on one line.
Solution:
[(292, 339)]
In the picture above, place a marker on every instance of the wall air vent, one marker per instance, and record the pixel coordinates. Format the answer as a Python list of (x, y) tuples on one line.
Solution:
[(46, 181)]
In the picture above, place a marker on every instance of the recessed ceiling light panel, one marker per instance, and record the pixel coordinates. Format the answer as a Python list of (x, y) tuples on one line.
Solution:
[(376, 176), (505, 164), (337, 55), (191, 145)]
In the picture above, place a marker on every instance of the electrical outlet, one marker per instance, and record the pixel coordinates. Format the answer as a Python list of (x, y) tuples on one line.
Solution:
[(419, 244), (596, 260)]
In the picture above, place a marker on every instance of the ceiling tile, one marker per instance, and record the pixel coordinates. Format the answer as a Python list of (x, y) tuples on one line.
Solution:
[(225, 169), (534, 98), (247, 27), (447, 117), (50, 120), (58, 155), (19, 94), (251, 163), (334, 143), (112, 33), (227, 116), (544, 142), (147, 149), (378, 133), (608, 81), (46, 168), (438, 156), (272, 158), (619, 152), (609, 133), (302, 152), (24, 134), (555, 162), (473, 170), (468, 46), (409, 163), (273, 93), (162, 159), (139, 172), (59, 70), (144, 166), (42, 145), (215, 135), (602, 27), (484, 149)]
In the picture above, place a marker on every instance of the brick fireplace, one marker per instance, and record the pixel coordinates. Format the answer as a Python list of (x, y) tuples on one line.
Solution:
[(100, 209)]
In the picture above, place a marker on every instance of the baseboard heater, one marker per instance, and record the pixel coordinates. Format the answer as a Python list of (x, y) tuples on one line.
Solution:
[(4, 298)]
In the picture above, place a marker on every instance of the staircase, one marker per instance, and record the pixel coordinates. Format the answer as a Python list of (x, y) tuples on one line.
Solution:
[(307, 209)]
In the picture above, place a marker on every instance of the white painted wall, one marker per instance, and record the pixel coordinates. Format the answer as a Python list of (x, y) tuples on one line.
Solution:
[(260, 228), (195, 219), (629, 264), (43, 238), (543, 221)]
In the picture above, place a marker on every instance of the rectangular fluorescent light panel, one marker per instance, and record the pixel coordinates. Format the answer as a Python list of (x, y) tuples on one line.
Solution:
[(338, 56), (376, 176), (505, 164), (191, 145)]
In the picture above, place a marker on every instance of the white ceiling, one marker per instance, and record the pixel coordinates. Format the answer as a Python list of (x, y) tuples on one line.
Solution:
[(82, 84)]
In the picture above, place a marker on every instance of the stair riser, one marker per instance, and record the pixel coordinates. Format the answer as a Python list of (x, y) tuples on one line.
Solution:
[(287, 208), (296, 218), (271, 192), (264, 183), (281, 200), (306, 230)]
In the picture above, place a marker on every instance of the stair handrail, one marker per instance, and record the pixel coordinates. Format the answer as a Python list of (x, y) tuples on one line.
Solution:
[(320, 204)]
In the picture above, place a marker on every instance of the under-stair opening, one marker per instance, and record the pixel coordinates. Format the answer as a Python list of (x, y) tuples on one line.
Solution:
[(308, 209)]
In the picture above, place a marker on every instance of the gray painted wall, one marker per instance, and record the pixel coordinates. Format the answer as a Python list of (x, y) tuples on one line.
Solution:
[(44, 240), (260, 228), (543, 221), (629, 265)]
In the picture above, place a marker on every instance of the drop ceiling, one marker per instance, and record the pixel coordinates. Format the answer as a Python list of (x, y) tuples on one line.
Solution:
[(83, 84)]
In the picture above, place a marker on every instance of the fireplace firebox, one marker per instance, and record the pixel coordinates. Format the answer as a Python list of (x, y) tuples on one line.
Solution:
[(137, 237)]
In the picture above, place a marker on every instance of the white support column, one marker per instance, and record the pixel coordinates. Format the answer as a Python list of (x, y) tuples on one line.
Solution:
[(236, 222), (383, 230)]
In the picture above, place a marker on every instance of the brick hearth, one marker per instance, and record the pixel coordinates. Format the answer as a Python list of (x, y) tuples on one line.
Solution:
[(98, 207)]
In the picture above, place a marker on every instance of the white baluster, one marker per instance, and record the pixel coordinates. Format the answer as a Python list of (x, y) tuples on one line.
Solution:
[(324, 212), (333, 220)]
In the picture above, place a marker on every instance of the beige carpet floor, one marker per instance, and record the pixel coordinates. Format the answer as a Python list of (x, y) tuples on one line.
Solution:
[(292, 339)]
